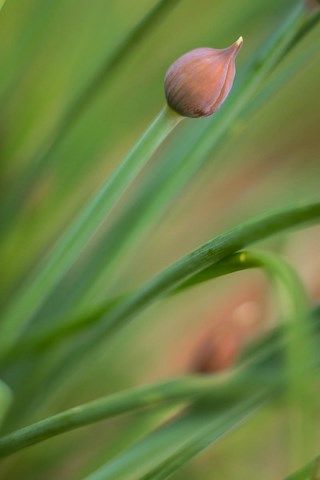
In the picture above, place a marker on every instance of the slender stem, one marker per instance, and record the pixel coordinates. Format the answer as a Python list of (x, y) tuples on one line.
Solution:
[(218, 425), (49, 336), (218, 389), (81, 230), (182, 389), (215, 258), (300, 352), (178, 441), (207, 255), (202, 437), (300, 347)]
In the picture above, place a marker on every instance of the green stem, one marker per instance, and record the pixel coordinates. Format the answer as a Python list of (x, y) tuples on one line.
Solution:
[(199, 434), (300, 348), (218, 389), (48, 336), (81, 230), (189, 388), (163, 451), (178, 441), (213, 259), (207, 255), (300, 352), (158, 287)]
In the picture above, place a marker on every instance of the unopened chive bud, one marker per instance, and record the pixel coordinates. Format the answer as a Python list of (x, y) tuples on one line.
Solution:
[(197, 84)]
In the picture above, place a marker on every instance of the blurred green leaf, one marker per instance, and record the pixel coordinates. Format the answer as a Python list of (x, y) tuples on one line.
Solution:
[(309, 472), (165, 450), (5, 400)]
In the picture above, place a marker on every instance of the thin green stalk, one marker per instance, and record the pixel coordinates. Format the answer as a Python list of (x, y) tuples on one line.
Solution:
[(295, 310), (175, 171), (217, 425), (170, 446), (165, 450), (300, 359), (160, 453), (48, 336), (300, 351), (217, 389), (209, 260), (207, 255), (37, 167), (215, 258), (81, 230), (300, 347)]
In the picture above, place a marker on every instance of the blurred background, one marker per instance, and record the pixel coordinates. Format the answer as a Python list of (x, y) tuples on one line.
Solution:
[(49, 51)]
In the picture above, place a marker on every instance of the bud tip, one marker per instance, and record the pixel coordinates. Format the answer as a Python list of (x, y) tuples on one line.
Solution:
[(239, 42)]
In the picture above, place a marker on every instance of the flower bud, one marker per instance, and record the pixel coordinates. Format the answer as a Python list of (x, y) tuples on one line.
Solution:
[(312, 6), (197, 83)]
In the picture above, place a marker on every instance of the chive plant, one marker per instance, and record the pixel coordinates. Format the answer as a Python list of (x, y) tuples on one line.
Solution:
[(282, 364)]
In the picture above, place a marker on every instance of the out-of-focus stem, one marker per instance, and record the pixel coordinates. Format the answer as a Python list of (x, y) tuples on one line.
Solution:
[(68, 248), (217, 389)]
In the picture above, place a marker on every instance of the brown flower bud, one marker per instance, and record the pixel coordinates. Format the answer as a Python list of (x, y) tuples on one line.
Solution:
[(312, 6), (197, 83)]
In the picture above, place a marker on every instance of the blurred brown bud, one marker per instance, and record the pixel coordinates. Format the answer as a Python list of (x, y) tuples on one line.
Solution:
[(220, 348), (312, 5), (197, 84)]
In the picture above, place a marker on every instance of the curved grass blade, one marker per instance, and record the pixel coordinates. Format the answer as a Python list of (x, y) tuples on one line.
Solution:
[(162, 452), (203, 263), (209, 254), (217, 389), (46, 337), (299, 379)]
